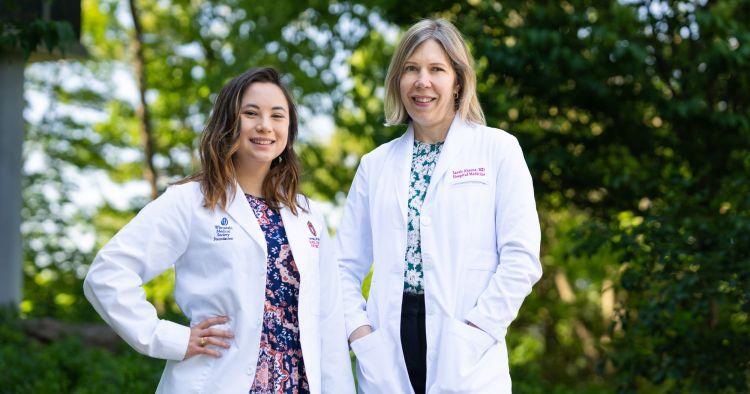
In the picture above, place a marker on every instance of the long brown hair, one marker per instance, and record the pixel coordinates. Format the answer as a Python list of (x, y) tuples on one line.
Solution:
[(220, 140)]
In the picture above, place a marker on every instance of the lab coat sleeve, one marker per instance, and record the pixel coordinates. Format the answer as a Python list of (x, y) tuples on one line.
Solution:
[(354, 250), (518, 241), (141, 250), (335, 362)]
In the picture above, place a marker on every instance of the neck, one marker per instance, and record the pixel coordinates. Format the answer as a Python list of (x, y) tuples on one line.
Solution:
[(251, 177), (432, 133)]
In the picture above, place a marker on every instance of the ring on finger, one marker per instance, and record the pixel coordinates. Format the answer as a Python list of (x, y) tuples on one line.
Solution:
[(203, 341)]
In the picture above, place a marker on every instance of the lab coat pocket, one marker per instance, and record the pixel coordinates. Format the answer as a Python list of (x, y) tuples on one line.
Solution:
[(192, 372), (376, 371), (481, 266), (468, 182), (465, 356)]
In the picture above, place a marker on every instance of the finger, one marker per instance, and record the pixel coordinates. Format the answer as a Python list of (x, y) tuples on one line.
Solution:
[(215, 332), (212, 321), (210, 352), (216, 342)]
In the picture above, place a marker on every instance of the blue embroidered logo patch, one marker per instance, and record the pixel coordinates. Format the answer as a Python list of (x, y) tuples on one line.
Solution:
[(223, 231)]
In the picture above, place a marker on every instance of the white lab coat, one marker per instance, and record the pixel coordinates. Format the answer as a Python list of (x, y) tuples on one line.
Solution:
[(220, 268), (480, 251)]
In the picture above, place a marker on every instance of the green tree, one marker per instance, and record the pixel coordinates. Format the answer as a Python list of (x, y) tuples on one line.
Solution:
[(92, 129), (634, 113), (633, 116), (613, 103)]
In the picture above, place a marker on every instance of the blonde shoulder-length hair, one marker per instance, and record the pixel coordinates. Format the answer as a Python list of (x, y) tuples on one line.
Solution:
[(444, 33)]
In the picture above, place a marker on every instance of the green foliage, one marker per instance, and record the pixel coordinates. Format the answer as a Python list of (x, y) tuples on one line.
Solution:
[(28, 37), (686, 316), (633, 116), (68, 366)]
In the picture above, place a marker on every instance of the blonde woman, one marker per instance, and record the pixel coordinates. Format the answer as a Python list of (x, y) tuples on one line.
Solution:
[(254, 274), (446, 214)]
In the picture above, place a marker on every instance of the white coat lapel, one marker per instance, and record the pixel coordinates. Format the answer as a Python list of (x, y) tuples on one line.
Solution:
[(451, 148), (239, 209), (402, 161), (295, 234)]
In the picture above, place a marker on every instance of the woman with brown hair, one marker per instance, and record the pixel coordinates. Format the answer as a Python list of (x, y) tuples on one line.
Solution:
[(253, 270)]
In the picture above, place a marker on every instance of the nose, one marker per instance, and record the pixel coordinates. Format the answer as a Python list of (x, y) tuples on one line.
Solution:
[(264, 125), (423, 81)]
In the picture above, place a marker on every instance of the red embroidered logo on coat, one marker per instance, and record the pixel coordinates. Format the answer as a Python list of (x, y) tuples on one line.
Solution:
[(312, 229)]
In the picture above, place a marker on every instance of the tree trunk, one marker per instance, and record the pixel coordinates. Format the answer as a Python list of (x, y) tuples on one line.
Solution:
[(144, 118), (588, 344), (11, 168)]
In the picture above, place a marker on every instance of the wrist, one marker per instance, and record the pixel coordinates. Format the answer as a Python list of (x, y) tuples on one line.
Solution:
[(360, 332)]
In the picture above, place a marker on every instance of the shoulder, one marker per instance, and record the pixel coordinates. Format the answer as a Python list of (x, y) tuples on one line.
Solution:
[(497, 145), (187, 195), (383, 151), (311, 208), (185, 190), (497, 138), (304, 202), (191, 187)]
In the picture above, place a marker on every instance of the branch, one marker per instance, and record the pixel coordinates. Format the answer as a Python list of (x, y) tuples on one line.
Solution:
[(144, 117)]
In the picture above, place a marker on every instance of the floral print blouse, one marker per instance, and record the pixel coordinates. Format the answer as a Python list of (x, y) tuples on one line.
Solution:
[(281, 368), (423, 159)]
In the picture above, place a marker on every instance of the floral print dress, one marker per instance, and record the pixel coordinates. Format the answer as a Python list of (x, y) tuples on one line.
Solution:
[(423, 160), (281, 368)]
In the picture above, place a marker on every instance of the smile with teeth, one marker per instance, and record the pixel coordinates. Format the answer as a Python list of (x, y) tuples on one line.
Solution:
[(421, 99), (261, 141)]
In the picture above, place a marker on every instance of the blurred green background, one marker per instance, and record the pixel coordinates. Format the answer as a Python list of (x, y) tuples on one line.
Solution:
[(633, 116)]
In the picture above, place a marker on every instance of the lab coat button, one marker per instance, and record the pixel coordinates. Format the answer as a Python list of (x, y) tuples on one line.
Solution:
[(427, 265), (251, 371), (430, 310), (426, 221)]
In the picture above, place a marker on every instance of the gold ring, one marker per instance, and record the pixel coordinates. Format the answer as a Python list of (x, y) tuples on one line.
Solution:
[(203, 341)]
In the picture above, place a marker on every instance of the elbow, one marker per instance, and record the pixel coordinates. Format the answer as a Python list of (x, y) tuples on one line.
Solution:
[(89, 285), (536, 273)]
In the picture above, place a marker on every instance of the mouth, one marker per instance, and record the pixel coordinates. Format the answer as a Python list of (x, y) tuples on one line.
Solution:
[(423, 99), (261, 141)]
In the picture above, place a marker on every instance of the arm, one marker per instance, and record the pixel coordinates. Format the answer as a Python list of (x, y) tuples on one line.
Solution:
[(145, 247), (518, 238), (335, 362), (354, 252)]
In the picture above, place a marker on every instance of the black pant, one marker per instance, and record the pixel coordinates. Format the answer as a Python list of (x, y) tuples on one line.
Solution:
[(414, 340)]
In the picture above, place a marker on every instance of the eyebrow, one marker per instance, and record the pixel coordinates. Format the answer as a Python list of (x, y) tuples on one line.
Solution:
[(431, 64), (277, 108)]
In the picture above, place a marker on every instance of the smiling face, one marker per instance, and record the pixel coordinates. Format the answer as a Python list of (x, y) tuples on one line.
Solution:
[(427, 87), (264, 126)]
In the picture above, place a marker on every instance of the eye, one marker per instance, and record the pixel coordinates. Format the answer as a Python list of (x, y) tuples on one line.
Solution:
[(410, 68), (437, 69), (250, 113), (278, 116)]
